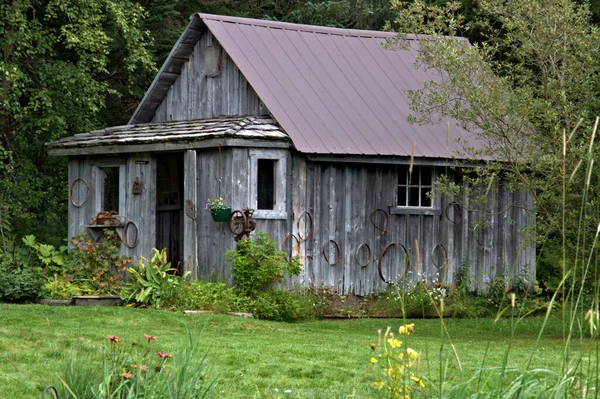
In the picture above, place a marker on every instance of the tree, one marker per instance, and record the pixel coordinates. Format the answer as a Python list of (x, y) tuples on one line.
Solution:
[(527, 88), (60, 61)]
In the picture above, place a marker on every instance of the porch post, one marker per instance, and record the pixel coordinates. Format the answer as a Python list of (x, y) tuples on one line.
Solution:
[(190, 187)]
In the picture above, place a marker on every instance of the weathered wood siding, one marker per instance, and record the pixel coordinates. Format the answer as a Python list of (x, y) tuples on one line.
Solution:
[(195, 96), (139, 209), (340, 199)]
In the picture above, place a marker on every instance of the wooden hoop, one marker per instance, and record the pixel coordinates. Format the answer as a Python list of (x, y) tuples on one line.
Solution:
[(337, 248), (310, 231), (363, 245), (126, 230), (382, 253), (75, 204), (387, 220)]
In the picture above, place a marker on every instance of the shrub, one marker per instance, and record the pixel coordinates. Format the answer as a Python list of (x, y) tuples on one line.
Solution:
[(214, 296), (258, 264), (150, 283), (21, 276)]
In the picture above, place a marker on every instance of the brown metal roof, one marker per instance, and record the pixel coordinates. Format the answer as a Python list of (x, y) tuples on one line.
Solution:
[(171, 135), (333, 91)]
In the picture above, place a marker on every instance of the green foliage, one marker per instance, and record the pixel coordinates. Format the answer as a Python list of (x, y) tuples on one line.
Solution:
[(152, 280), (281, 305), (258, 264), (19, 282), (52, 259), (198, 295), (97, 267), (58, 288), (136, 370)]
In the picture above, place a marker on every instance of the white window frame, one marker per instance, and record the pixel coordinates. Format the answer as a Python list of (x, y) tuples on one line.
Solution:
[(98, 174), (433, 209), (279, 210)]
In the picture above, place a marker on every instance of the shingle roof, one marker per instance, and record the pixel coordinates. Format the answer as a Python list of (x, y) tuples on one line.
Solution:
[(333, 91), (133, 137)]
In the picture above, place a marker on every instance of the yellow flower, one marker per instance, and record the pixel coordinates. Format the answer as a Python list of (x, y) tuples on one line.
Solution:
[(373, 360), (412, 353), (407, 329), (418, 381), (378, 384), (373, 347), (394, 343)]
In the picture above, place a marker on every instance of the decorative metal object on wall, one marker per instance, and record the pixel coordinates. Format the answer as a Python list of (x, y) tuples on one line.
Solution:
[(190, 209), (137, 186), (444, 262), (130, 243), (310, 230), (358, 250), (87, 194), (385, 224), (382, 254), (456, 215), (241, 223), (291, 251), (480, 231), (337, 250)]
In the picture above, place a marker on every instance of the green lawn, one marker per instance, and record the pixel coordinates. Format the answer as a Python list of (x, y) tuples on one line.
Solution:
[(257, 359)]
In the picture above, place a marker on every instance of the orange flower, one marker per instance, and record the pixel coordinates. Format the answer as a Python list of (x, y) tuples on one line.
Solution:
[(126, 375), (164, 355), (113, 338), (149, 337)]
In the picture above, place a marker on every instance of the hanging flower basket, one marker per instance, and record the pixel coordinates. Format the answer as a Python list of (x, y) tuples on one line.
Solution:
[(220, 215)]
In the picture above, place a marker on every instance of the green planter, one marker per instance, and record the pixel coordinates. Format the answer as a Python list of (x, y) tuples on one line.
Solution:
[(220, 215)]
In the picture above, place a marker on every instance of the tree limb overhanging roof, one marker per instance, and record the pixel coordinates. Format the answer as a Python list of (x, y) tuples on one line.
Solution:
[(333, 91)]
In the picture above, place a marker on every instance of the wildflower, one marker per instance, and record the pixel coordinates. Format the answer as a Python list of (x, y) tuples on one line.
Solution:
[(407, 329), (412, 353), (418, 381), (142, 367), (394, 343), (113, 338), (164, 355), (373, 361), (378, 384), (126, 375), (149, 337), (373, 347)]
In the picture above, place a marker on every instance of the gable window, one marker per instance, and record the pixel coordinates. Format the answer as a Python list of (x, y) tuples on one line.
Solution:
[(414, 188), (267, 183)]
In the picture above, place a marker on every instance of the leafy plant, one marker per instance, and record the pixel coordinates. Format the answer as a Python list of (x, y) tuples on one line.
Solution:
[(215, 204), (208, 295), (137, 371), (258, 264), (52, 259), (149, 283), (97, 266)]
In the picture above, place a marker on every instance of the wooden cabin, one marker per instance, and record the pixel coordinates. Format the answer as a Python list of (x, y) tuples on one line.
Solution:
[(308, 127)]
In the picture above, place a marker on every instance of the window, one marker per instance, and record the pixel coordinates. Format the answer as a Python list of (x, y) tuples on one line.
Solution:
[(414, 188), (109, 179), (267, 183)]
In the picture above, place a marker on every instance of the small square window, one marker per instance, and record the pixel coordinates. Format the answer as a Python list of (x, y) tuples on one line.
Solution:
[(267, 181), (414, 186)]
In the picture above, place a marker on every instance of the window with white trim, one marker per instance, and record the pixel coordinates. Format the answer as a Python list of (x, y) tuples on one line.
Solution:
[(267, 183), (109, 183), (414, 187)]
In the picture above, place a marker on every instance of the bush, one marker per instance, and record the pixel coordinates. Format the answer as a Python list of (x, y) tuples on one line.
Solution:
[(258, 264), (279, 306), (19, 282), (214, 296)]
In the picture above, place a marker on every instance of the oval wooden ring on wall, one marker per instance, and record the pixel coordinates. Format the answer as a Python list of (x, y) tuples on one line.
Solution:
[(126, 233), (87, 186), (310, 230), (445, 256), (382, 253), (285, 240), (361, 246), (338, 252), (457, 210), (385, 225)]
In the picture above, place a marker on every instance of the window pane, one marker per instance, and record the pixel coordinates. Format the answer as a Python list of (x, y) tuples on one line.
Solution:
[(402, 175), (414, 177), (265, 184), (425, 200), (426, 174), (110, 200), (413, 196), (402, 196)]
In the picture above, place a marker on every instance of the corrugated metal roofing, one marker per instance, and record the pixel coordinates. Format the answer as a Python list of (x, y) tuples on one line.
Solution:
[(333, 91), (262, 128)]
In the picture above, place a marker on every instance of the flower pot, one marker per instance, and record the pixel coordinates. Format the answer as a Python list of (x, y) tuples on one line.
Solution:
[(220, 215)]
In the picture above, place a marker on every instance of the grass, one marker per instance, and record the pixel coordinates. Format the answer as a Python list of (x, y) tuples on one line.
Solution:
[(258, 359)]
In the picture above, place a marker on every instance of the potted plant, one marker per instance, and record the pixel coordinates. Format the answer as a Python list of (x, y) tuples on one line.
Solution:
[(219, 209)]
